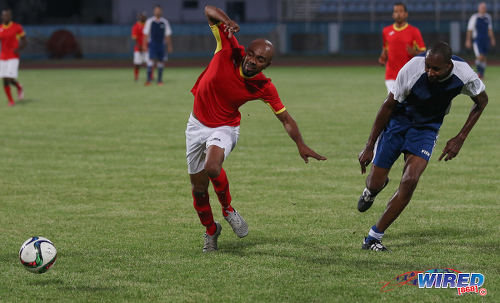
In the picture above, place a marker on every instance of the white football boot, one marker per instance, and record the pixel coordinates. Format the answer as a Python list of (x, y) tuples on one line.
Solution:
[(210, 242), (238, 224)]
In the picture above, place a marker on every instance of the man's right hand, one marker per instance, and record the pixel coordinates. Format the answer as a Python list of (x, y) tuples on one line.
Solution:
[(382, 59), (231, 27), (468, 44), (365, 158)]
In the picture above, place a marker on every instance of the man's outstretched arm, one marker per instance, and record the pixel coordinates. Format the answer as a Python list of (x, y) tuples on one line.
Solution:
[(454, 145), (216, 15), (293, 131), (383, 117)]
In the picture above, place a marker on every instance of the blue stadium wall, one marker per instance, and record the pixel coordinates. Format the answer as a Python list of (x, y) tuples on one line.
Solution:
[(196, 40)]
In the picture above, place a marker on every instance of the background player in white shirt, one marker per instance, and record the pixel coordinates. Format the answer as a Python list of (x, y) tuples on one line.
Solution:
[(157, 33), (480, 36)]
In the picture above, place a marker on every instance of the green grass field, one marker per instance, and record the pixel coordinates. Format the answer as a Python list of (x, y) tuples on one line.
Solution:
[(96, 163)]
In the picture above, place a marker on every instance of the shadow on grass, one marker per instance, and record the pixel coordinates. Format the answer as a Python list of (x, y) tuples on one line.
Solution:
[(300, 251), (89, 288), (25, 102), (47, 282), (431, 236), (62, 285)]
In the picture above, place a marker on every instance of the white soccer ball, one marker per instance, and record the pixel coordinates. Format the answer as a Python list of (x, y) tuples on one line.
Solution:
[(37, 254)]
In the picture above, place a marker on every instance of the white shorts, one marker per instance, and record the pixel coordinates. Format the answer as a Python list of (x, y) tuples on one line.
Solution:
[(199, 137), (9, 68), (141, 58), (389, 84)]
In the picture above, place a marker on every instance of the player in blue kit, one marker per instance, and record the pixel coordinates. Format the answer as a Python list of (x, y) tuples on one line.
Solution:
[(157, 33), (408, 122), (480, 31)]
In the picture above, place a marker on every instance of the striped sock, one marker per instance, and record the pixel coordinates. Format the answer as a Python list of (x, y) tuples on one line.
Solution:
[(374, 234)]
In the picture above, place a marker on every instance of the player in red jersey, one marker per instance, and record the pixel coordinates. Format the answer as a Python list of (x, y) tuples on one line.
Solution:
[(401, 42), (13, 39), (232, 78), (140, 51)]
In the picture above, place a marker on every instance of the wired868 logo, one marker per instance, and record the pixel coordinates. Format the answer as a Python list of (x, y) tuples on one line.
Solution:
[(439, 278)]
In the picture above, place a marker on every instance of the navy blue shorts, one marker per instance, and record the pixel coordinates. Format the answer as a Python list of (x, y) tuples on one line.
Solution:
[(400, 138), (157, 52), (480, 47)]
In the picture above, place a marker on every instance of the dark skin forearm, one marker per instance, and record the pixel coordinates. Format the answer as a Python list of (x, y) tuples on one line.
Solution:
[(22, 43), (383, 116), (454, 145), (216, 15), (293, 131), (381, 120)]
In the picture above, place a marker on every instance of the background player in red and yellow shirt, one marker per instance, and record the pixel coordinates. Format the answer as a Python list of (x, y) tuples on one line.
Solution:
[(232, 78), (401, 42), (13, 39), (140, 50)]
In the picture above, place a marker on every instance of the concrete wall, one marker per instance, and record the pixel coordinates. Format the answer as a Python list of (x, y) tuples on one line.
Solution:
[(125, 11)]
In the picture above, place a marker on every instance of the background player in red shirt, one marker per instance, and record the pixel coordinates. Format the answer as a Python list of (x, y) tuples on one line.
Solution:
[(232, 78), (140, 49), (13, 39), (401, 42)]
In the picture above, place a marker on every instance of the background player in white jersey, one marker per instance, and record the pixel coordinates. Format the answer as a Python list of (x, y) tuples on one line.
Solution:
[(480, 36), (157, 33), (408, 122)]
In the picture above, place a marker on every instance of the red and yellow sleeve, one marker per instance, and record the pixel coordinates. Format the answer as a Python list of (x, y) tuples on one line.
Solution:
[(220, 36), (134, 32), (20, 32), (384, 40), (272, 99), (418, 42)]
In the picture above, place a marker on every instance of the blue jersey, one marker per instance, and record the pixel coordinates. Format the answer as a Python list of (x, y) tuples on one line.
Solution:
[(479, 25), (424, 104), (157, 29)]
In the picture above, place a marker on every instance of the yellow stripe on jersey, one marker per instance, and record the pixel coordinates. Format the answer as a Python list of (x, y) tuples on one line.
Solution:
[(275, 112), (417, 47), (215, 31), (280, 111), (398, 29), (19, 36)]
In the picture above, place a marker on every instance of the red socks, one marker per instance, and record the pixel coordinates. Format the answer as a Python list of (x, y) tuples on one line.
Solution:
[(221, 186), (8, 93), (136, 73), (18, 85), (202, 205)]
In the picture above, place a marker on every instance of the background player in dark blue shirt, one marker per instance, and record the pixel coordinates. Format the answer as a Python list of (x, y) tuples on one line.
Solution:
[(157, 33), (408, 122), (480, 30)]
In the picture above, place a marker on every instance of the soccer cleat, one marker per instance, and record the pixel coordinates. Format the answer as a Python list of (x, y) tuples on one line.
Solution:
[(11, 103), (210, 242), (148, 83), (20, 93), (366, 200), (374, 244), (160, 83), (238, 224)]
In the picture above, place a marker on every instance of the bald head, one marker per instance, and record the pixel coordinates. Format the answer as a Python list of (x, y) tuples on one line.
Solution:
[(481, 8), (259, 55), (265, 45)]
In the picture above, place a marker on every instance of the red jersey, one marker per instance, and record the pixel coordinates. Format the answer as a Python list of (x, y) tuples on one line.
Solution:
[(222, 88), (138, 35), (9, 37), (396, 40)]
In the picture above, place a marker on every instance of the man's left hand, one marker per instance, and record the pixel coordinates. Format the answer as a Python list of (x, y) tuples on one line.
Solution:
[(305, 152), (452, 148), (411, 50)]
